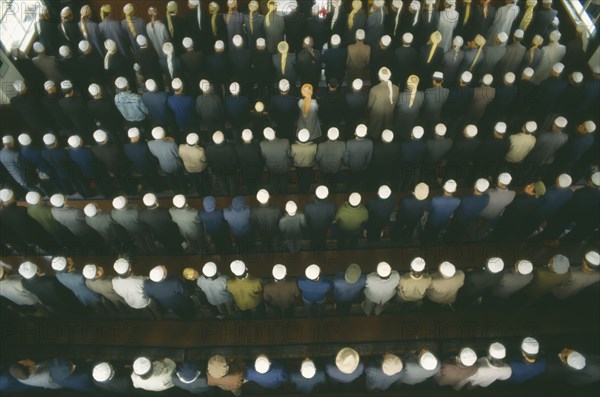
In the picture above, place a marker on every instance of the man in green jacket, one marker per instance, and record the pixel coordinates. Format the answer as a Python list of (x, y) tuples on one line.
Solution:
[(351, 218)]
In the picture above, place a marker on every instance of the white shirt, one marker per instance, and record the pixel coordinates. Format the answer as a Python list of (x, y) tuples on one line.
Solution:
[(12, 289), (379, 290), (132, 290), (487, 374), (159, 380)]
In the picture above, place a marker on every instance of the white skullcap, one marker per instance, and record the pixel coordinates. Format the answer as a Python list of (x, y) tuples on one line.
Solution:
[(102, 372), (308, 369), (158, 133), (121, 266), (303, 135), (279, 272), (157, 274), (466, 77), (177, 84), (187, 43), (450, 186), (564, 180), (502, 37), (204, 86), (428, 361), (333, 133), (19, 86), (247, 135), (530, 346), (57, 200), (391, 364), (482, 185), (495, 265), (121, 83), (471, 131), (119, 202), (387, 136), (596, 178), (458, 42), (133, 132), (179, 201), (59, 263), (555, 36), (219, 45), (384, 192), (237, 40), (528, 72), (519, 34), (33, 198), (558, 68), (322, 192), (386, 40), (500, 127), (89, 271), (385, 74), (440, 129), (421, 191), (261, 43), (312, 272), (524, 267), (384, 269), (167, 48), (64, 51), (24, 139), (439, 76), (38, 47), (357, 84), (561, 122), (531, 126), (209, 269), (577, 77), (192, 139), (66, 85), (141, 40), (110, 45), (560, 264), (509, 78), (262, 364), (488, 79), (336, 40), (8, 139), (49, 139), (291, 208), (407, 38), (149, 199), (418, 132), (237, 267), (90, 210), (284, 85), (447, 269), (360, 34), (592, 258), (417, 264), (467, 356), (361, 131), (28, 270), (84, 46), (234, 88), (6, 195), (355, 199), (262, 196), (218, 137), (576, 360), (141, 366), (269, 133), (94, 89), (505, 178), (150, 85), (497, 351), (100, 136), (137, 67), (74, 141), (49, 84)]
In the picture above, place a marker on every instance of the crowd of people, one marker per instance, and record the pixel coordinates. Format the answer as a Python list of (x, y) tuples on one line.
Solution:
[(463, 369), (90, 289)]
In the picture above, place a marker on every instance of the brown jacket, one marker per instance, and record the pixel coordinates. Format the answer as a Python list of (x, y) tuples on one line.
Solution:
[(234, 378), (282, 294), (357, 65)]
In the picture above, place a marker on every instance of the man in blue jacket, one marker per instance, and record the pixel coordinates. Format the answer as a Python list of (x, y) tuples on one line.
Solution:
[(319, 215), (214, 223), (347, 286), (183, 106), (314, 289), (440, 212), (239, 221), (70, 376), (157, 103), (170, 292), (529, 365), (266, 374), (142, 161)]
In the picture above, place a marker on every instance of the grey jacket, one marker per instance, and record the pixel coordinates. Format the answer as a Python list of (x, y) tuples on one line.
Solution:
[(189, 227), (167, 154), (358, 154), (330, 156), (276, 154)]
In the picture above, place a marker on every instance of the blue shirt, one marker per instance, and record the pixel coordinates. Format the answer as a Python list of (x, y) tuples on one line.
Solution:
[(344, 291), (304, 385), (85, 160), (34, 156), (523, 371), (314, 291), (470, 207), (273, 379), (170, 292), (76, 283), (184, 108), (214, 222), (139, 155), (442, 208), (380, 211), (238, 221), (158, 106), (552, 201), (338, 376), (319, 214), (377, 380), (131, 106)]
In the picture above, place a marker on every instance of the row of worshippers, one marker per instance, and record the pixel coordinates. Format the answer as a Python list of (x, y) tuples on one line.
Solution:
[(485, 213), (78, 162), (90, 290), (464, 369)]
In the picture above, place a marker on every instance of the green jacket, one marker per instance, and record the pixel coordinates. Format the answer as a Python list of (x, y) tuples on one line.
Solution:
[(544, 280), (351, 219), (247, 293)]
